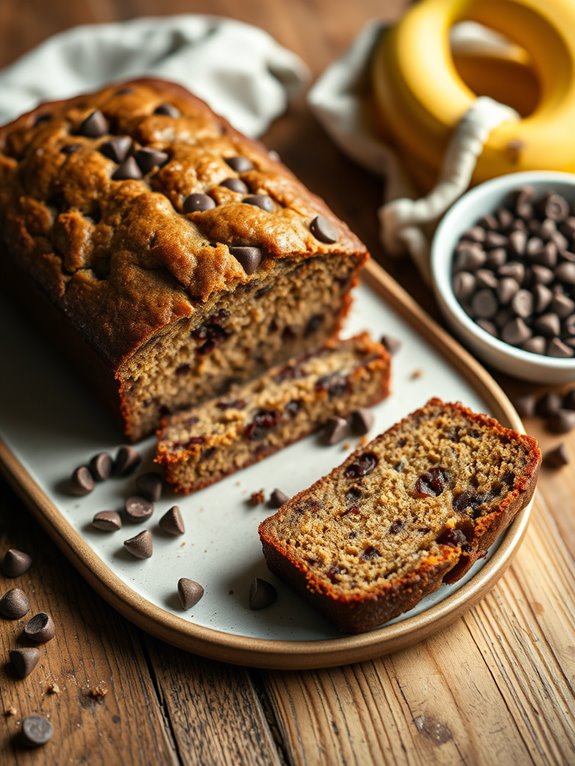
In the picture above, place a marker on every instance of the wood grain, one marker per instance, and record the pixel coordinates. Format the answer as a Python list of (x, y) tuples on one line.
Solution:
[(496, 687)]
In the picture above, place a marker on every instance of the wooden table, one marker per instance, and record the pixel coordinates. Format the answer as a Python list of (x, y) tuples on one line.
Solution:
[(496, 687)]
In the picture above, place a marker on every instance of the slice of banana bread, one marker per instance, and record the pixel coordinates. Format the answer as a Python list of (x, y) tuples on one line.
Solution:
[(411, 510), (163, 252), (201, 445)]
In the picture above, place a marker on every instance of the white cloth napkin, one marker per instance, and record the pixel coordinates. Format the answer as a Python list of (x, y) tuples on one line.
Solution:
[(240, 70)]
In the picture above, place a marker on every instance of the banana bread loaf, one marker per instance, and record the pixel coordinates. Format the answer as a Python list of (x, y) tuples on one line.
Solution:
[(170, 254), (202, 445), (411, 510)]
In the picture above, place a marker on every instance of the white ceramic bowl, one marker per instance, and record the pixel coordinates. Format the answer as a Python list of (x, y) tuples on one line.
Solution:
[(464, 213)]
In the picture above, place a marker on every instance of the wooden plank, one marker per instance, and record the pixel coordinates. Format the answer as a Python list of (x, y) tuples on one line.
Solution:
[(214, 712), (93, 649)]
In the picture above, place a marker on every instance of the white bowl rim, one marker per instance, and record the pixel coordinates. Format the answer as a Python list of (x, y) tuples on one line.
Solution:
[(441, 263)]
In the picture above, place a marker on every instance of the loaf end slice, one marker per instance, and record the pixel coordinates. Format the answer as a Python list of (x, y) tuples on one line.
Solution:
[(411, 510), (201, 445)]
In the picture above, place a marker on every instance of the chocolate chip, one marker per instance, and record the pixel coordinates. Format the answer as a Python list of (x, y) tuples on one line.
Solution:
[(494, 239), (239, 164), (277, 499), (172, 522), (548, 404), (141, 546), (463, 285), (101, 466), (506, 289), (335, 430), (107, 521), (190, 592), (262, 423), (235, 184), (484, 304), (489, 222), (168, 110), (262, 594), (522, 303), (117, 148), (40, 629), (94, 126), (14, 604), (81, 482), (565, 273), (561, 422), (470, 258), (323, 230), (361, 466), (517, 242), (127, 170), (475, 234), (525, 405), (361, 421), (559, 350), (249, 258), (542, 297), (150, 485), (36, 731), (147, 159), (454, 537), (370, 553), (562, 305), (516, 332), (70, 148), (488, 326), (557, 457), (391, 344), (126, 461), (548, 325), (198, 203), (542, 275), (555, 207), (433, 482), (496, 258), (138, 509), (23, 661), (535, 345), (15, 563), (515, 270), (260, 200), (569, 399)]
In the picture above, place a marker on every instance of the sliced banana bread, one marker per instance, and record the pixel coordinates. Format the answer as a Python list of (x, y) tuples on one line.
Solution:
[(411, 510), (201, 445)]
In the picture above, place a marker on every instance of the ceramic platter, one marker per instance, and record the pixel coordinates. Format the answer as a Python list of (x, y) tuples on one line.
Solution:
[(49, 425)]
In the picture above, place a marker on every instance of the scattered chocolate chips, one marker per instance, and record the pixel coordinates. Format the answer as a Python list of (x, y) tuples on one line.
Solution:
[(548, 404), (557, 457), (260, 200), (101, 466), (323, 230), (15, 563), (198, 203), (23, 661), (525, 405), (249, 258), (335, 430), (81, 482), (94, 126), (239, 164), (190, 592), (561, 422), (40, 629), (391, 344), (117, 148), (361, 466), (277, 499), (433, 482), (168, 110), (128, 170), (262, 594), (150, 485), (172, 522), (107, 521), (36, 731), (235, 184), (138, 509), (147, 159), (126, 461), (141, 546), (14, 604), (361, 421)]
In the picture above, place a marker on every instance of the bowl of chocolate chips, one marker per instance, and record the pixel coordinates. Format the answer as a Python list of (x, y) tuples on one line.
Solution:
[(503, 266)]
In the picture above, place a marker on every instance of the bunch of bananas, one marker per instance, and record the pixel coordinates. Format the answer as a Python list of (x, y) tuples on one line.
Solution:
[(422, 87)]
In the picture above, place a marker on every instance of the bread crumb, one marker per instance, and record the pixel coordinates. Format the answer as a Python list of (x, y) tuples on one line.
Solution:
[(98, 692), (10, 711), (257, 498), (53, 688), (363, 440), (345, 446), (416, 374)]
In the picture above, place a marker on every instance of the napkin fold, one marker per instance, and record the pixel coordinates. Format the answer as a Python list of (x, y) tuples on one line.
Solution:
[(238, 69)]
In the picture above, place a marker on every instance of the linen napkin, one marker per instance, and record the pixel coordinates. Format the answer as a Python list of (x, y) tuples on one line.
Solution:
[(238, 69)]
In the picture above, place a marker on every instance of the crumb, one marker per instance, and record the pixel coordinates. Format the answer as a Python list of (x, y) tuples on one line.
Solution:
[(514, 149), (416, 374), (10, 711), (182, 544), (98, 692), (363, 440), (257, 498), (53, 688)]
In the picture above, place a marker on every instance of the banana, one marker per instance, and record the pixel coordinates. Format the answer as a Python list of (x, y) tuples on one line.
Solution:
[(421, 92)]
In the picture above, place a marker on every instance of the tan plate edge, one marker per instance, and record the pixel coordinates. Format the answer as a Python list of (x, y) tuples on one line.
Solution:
[(290, 655)]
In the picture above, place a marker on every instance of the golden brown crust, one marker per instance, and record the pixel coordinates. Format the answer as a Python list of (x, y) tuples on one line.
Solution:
[(119, 256), (356, 612)]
